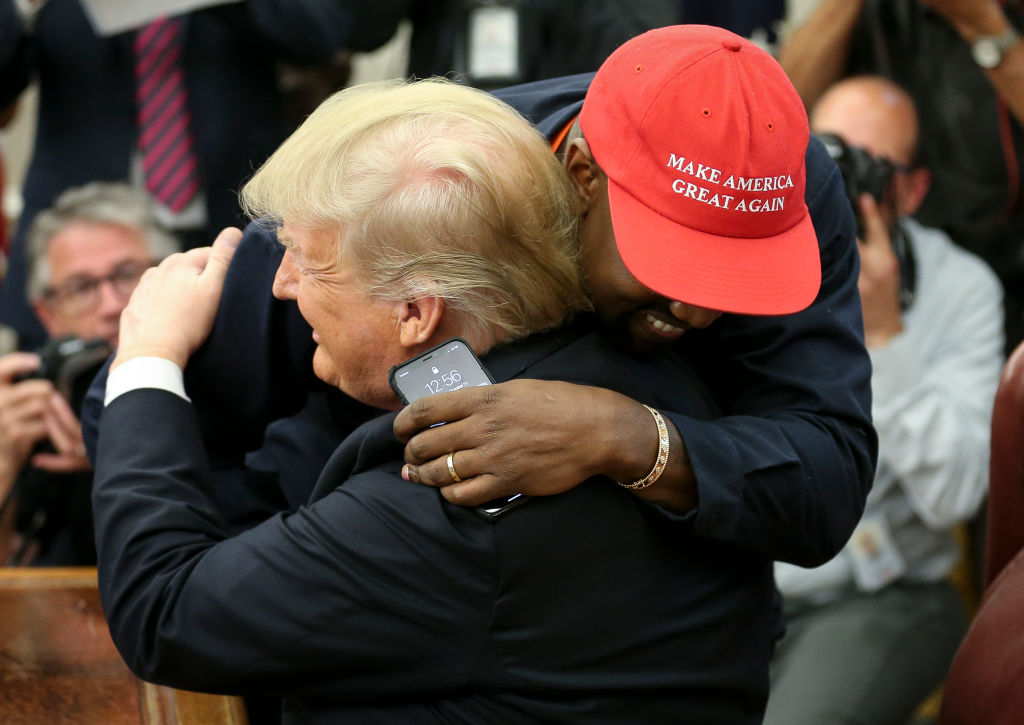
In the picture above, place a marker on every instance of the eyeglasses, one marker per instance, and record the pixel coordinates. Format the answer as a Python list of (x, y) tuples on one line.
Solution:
[(80, 294)]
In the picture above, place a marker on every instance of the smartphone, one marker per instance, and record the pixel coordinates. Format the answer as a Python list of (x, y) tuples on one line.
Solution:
[(452, 365)]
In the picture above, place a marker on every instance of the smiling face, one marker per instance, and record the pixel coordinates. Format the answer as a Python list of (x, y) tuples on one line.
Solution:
[(357, 336), (634, 315)]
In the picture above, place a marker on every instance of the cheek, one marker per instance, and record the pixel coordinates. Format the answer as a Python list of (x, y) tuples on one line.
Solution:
[(311, 306), (60, 325), (325, 368)]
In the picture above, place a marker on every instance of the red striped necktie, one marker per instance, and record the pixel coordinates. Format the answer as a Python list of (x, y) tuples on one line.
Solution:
[(165, 139)]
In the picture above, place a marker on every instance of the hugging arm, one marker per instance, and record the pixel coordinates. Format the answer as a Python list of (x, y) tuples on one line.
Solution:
[(784, 473), (238, 393)]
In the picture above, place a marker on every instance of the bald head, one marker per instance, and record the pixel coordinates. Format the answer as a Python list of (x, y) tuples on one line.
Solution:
[(870, 112)]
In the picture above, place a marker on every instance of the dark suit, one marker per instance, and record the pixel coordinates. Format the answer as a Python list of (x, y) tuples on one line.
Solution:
[(86, 126), (381, 602)]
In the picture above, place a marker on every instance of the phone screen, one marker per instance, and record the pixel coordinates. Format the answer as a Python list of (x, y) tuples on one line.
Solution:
[(452, 365)]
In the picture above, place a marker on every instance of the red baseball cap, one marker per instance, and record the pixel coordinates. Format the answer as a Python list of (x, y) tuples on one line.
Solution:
[(702, 137)]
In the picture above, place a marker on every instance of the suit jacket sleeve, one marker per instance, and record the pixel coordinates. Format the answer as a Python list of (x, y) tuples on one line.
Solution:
[(787, 471), (323, 602), (305, 30), (239, 395), (16, 54), (313, 30)]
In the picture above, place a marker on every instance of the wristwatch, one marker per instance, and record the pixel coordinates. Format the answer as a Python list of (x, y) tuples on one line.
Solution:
[(988, 50)]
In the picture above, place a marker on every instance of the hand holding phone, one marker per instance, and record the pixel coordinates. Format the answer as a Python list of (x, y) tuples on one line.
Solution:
[(452, 365)]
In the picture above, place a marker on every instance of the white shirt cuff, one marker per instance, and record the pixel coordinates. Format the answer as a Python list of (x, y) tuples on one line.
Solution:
[(145, 372)]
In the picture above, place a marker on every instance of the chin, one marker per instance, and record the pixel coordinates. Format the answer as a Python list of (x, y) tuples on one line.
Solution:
[(630, 334), (325, 369)]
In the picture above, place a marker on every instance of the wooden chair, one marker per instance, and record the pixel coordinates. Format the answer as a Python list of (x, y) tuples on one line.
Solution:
[(984, 682), (58, 665)]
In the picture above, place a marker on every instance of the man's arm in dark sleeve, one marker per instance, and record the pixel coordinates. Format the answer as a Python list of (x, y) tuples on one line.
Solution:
[(254, 368), (328, 601), (256, 365), (784, 474), (549, 104), (312, 31), (16, 54), (788, 470)]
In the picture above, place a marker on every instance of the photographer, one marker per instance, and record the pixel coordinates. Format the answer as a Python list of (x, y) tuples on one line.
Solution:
[(962, 62), (86, 255), (933, 325)]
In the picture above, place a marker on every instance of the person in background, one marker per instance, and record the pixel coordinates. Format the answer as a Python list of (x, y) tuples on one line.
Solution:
[(873, 631), (755, 20), (86, 254), (494, 43), (962, 61), (183, 107)]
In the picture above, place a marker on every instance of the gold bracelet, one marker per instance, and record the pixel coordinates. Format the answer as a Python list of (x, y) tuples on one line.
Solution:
[(660, 462)]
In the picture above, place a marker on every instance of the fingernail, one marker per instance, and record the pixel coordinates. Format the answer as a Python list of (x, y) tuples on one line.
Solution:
[(405, 472)]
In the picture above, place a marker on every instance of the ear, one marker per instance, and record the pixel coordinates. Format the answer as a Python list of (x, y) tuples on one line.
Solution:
[(584, 173), (418, 320), (46, 317), (913, 188)]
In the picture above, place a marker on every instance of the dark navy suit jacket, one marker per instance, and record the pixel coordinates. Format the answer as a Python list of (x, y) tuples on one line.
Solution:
[(86, 125), (381, 602)]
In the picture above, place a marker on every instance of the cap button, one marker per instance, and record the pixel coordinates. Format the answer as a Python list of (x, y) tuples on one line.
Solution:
[(731, 44)]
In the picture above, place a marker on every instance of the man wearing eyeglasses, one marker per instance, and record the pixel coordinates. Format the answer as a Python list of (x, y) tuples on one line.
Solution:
[(86, 254)]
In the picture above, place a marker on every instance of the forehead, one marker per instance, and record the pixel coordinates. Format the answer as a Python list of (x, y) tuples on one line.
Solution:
[(302, 239), (872, 119), (87, 248), (316, 249)]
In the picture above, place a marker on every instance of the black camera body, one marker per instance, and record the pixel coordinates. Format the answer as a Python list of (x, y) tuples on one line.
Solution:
[(864, 173), (70, 363)]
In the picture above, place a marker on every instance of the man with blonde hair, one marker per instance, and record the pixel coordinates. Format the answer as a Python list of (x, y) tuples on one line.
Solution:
[(410, 214)]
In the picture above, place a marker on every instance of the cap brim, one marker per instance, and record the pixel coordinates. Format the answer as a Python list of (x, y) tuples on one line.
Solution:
[(774, 275)]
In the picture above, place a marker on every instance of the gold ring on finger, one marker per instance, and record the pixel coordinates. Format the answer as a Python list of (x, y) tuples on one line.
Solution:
[(451, 468)]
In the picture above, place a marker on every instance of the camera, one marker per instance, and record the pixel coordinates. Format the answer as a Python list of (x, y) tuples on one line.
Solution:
[(70, 363), (862, 172)]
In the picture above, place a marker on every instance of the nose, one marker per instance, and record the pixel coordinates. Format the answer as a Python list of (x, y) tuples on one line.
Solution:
[(696, 317), (285, 278), (112, 302)]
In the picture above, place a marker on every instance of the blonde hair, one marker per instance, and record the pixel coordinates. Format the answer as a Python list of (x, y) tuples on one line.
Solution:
[(434, 189)]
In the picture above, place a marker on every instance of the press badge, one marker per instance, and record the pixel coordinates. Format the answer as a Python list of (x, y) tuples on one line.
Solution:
[(876, 560), (493, 47)]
